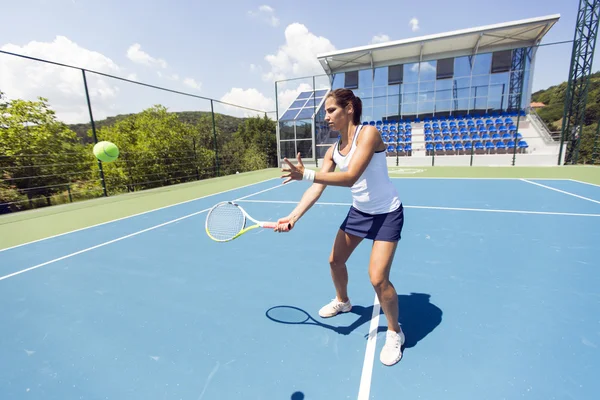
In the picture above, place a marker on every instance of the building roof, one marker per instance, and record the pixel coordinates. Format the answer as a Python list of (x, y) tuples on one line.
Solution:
[(484, 39)]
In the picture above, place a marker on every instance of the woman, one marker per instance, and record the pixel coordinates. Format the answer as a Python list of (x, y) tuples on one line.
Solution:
[(376, 213)]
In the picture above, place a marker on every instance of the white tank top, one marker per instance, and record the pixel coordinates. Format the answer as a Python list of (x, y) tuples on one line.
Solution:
[(373, 192)]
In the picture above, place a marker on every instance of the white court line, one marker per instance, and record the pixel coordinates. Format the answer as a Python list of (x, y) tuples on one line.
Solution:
[(440, 208), (367, 371), (123, 237), (562, 191), (135, 215), (491, 178), (587, 183)]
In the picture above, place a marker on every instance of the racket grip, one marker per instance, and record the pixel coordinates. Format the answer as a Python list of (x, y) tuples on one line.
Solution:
[(273, 225)]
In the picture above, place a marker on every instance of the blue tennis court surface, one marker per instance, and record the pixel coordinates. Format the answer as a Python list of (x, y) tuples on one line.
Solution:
[(498, 284)]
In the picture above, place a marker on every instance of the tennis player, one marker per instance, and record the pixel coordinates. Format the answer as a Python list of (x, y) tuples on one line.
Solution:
[(376, 212)]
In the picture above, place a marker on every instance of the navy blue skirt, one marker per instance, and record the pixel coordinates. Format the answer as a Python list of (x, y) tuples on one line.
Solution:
[(386, 227)]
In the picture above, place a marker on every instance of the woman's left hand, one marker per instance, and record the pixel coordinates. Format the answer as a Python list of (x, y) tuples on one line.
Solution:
[(296, 172)]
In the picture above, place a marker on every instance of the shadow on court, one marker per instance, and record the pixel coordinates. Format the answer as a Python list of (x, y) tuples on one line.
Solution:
[(418, 317)]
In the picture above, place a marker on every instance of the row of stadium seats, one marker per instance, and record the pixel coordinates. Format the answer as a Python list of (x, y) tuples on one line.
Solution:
[(494, 115), (454, 122), (478, 145), (460, 148)]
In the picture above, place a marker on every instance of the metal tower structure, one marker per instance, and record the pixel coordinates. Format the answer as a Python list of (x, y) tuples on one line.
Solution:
[(584, 43)]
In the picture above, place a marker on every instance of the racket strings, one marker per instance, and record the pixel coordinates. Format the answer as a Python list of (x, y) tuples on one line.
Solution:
[(225, 221)]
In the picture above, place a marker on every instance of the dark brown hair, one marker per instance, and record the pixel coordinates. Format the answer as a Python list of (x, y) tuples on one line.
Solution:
[(343, 97)]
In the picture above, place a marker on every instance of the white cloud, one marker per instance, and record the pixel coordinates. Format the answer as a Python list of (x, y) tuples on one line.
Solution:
[(414, 24), (298, 56), (191, 82), (267, 14), (250, 98), (380, 39), (63, 87), (137, 55)]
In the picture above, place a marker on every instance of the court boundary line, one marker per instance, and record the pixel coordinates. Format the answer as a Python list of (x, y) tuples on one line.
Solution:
[(560, 191), (584, 182), (364, 388), (491, 178), (123, 237), (491, 210), (135, 215)]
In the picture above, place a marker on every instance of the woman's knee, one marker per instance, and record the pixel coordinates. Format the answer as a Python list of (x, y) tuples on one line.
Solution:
[(379, 280), (336, 261)]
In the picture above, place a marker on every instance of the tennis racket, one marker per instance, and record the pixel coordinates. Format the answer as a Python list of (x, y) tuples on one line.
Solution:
[(227, 221)]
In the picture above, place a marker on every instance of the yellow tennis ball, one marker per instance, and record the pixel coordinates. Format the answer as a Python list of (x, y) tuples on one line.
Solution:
[(106, 151)]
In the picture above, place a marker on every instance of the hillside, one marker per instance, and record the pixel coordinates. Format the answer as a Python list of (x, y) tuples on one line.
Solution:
[(226, 123), (554, 99), (552, 113)]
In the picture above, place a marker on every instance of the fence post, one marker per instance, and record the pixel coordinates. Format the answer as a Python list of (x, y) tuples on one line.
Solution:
[(212, 111), (87, 96)]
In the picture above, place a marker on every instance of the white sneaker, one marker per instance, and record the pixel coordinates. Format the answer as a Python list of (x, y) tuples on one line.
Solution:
[(334, 307), (392, 350)]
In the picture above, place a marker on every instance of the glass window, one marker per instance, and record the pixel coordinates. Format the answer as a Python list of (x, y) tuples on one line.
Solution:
[(379, 113), (381, 76), (443, 89), (304, 147), (303, 129), (483, 64), (380, 91), (425, 107), (411, 73), (338, 81), (410, 88), (501, 61), (480, 85), (380, 101), (288, 149), (428, 71), (351, 79), (443, 105), (445, 68), (498, 91), (393, 90), (286, 130), (462, 66), (365, 78), (395, 73)]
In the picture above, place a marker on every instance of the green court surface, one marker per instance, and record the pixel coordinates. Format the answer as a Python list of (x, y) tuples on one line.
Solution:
[(33, 225)]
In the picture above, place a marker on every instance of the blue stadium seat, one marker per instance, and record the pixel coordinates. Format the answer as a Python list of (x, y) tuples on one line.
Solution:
[(468, 146), (458, 146), (478, 145), (489, 145), (439, 147), (429, 147), (500, 145), (523, 144), (448, 147), (391, 149)]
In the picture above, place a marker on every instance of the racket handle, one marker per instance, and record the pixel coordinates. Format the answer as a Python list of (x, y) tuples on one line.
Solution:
[(273, 225)]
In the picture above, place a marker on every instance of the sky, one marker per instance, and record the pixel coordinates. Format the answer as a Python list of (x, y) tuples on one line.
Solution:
[(232, 51)]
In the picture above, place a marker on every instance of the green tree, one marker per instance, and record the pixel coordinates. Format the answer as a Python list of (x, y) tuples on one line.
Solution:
[(39, 155), (156, 149)]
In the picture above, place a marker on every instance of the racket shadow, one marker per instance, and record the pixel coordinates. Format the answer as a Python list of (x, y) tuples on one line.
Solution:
[(418, 317)]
